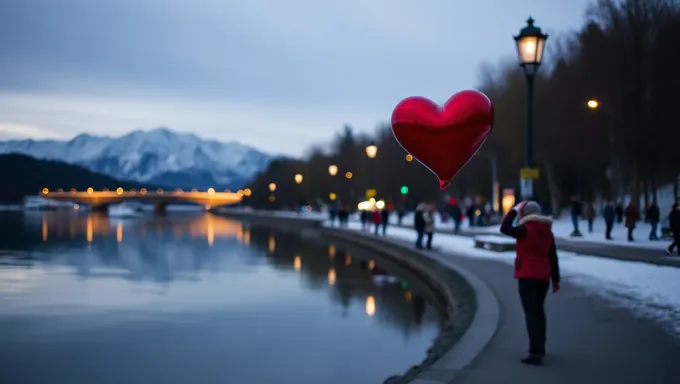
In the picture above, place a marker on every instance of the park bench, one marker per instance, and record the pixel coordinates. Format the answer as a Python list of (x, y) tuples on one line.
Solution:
[(495, 243)]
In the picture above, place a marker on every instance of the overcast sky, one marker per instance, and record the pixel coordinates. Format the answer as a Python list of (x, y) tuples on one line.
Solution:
[(278, 75)]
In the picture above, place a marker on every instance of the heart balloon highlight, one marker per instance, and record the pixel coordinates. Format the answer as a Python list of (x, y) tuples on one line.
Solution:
[(443, 139)]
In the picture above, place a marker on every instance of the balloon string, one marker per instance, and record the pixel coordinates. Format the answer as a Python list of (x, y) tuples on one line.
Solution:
[(444, 184)]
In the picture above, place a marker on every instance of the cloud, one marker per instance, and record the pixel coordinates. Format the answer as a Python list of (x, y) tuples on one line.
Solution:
[(253, 70)]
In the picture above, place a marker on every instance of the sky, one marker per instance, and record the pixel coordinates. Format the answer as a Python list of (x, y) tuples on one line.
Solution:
[(277, 75)]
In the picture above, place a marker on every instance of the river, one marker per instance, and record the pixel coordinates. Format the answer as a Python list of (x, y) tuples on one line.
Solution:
[(196, 298)]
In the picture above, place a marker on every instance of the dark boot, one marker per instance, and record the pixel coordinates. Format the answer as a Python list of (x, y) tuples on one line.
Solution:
[(533, 360)]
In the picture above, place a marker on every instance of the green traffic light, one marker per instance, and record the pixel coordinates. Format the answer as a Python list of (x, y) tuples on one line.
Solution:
[(404, 190)]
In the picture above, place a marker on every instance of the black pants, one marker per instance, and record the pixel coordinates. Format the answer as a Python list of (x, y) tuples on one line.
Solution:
[(419, 239), (630, 234), (675, 243), (610, 226), (532, 292)]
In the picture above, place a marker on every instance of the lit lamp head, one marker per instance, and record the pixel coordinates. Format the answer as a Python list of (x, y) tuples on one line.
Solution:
[(530, 44), (272, 187), (371, 150), (333, 170), (593, 104), (298, 178)]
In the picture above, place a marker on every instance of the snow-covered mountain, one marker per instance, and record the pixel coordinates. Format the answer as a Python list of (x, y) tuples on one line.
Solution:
[(160, 157)]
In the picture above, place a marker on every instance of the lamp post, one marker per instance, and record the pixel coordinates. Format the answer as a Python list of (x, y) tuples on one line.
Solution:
[(530, 44), (613, 171), (371, 152)]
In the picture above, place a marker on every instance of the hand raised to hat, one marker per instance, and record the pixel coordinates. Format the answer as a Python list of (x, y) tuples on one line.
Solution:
[(519, 207)]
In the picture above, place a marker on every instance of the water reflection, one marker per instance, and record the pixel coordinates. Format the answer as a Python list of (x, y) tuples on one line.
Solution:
[(248, 293)]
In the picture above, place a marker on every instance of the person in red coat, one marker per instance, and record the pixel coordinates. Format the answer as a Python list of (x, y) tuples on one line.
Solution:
[(536, 265), (376, 218)]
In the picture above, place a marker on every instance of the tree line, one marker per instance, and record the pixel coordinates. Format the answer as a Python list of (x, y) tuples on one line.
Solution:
[(624, 57)]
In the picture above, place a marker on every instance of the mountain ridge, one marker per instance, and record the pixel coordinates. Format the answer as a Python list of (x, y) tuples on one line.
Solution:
[(159, 155)]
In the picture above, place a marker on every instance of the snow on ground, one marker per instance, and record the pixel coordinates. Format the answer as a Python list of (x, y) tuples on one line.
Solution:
[(648, 290), (563, 227)]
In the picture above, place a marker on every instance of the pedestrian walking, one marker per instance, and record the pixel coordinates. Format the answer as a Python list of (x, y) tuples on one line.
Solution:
[(536, 265), (385, 220), (674, 224), (376, 218), (653, 216), (419, 224), (609, 217), (576, 211), (471, 215), (364, 216), (632, 216), (619, 213), (590, 216), (456, 215), (429, 225)]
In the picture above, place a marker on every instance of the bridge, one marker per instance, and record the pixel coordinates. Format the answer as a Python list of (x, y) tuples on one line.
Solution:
[(100, 200)]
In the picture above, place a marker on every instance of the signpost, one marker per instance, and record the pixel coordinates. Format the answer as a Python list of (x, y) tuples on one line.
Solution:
[(526, 185)]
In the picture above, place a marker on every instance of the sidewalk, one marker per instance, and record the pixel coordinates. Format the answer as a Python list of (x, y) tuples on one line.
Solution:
[(591, 339)]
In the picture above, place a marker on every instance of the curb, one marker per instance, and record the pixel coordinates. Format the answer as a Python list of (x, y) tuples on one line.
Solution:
[(481, 329)]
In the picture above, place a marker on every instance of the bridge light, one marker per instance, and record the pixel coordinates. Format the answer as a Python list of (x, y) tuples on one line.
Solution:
[(90, 190), (240, 193), (159, 191), (272, 187), (194, 190), (142, 191), (119, 191), (211, 191), (247, 192), (45, 191)]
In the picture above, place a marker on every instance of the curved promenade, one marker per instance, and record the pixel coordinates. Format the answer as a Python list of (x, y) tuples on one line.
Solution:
[(590, 339)]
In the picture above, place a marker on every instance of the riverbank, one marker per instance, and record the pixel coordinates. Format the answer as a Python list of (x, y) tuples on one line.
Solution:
[(472, 311)]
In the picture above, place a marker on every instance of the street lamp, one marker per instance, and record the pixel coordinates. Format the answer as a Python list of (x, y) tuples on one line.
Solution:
[(298, 178), (272, 187), (409, 157), (371, 150), (530, 44), (593, 104), (333, 170)]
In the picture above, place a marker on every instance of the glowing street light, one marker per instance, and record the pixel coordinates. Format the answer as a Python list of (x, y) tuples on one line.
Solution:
[(333, 170), (211, 191), (409, 157), (332, 196), (90, 190), (371, 150), (272, 187), (141, 191), (593, 104), (119, 191), (45, 191), (298, 178), (247, 192), (348, 175)]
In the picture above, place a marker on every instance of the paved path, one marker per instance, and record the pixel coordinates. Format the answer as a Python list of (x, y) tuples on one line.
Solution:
[(589, 339), (592, 248)]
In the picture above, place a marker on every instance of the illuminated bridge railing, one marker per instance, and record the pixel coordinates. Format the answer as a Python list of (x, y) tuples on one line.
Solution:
[(92, 197)]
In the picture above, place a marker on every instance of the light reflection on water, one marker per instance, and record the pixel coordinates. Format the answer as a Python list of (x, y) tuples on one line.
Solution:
[(194, 297)]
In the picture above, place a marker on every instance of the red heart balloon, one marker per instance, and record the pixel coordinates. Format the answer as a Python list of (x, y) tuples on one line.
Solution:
[(443, 139)]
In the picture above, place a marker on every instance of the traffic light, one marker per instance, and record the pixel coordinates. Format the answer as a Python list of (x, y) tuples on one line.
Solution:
[(404, 189)]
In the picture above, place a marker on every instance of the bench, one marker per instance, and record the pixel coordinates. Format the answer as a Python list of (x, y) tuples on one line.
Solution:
[(495, 243)]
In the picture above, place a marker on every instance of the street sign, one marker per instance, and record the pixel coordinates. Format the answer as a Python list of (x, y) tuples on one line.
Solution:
[(371, 193), (526, 188), (528, 173)]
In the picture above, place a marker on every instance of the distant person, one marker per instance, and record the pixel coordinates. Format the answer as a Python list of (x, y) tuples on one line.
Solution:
[(385, 220), (419, 224), (364, 217), (376, 218), (332, 214), (609, 217), (456, 215), (576, 211), (619, 213), (653, 216), (400, 215), (674, 225), (343, 216), (536, 265), (632, 216), (429, 225), (471, 215), (590, 216)]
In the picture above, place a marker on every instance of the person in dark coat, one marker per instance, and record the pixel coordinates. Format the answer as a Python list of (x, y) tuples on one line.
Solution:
[(632, 216), (419, 224), (456, 214), (653, 216), (364, 216), (376, 218), (471, 214), (385, 220), (609, 217), (674, 224), (536, 265), (619, 213), (576, 211)]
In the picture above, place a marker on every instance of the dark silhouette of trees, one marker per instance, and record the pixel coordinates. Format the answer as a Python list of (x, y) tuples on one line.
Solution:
[(625, 56)]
